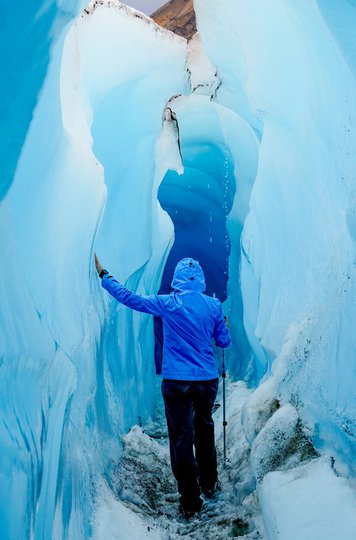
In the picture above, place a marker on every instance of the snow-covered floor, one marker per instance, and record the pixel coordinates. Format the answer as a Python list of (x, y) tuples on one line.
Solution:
[(301, 495), (144, 501)]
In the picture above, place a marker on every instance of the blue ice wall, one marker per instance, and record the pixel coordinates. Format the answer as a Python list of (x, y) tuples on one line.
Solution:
[(341, 20), (28, 31), (295, 71)]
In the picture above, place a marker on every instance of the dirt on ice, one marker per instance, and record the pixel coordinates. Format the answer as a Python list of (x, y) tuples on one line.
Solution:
[(146, 496)]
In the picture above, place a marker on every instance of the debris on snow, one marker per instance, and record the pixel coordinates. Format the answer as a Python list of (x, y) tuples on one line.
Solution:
[(281, 443), (143, 483)]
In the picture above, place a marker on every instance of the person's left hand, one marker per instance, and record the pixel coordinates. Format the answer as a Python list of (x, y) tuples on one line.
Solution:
[(99, 268)]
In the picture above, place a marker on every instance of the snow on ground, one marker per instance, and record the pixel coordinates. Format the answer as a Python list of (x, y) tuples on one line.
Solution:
[(308, 503), (145, 490), (297, 496), (115, 520)]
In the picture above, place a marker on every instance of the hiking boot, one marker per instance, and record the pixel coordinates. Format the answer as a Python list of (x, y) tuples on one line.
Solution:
[(188, 511)]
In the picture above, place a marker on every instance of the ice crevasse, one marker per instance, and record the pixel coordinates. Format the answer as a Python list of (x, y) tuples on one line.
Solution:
[(126, 131)]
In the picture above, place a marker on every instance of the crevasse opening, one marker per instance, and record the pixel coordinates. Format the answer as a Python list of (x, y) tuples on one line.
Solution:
[(199, 201)]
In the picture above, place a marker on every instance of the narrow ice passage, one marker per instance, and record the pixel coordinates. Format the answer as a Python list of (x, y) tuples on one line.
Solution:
[(146, 496), (198, 202), (264, 97)]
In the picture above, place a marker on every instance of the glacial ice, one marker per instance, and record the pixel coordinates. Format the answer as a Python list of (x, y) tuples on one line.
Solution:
[(27, 35), (298, 264), (263, 106), (66, 384)]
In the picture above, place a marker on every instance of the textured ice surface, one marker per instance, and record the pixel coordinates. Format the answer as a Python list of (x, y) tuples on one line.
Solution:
[(270, 447), (294, 72)]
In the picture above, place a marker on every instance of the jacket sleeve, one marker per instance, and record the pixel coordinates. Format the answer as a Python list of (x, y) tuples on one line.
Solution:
[(221, 333), (146, 304)]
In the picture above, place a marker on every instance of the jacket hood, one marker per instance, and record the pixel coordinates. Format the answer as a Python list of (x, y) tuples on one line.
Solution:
[(188, 276)]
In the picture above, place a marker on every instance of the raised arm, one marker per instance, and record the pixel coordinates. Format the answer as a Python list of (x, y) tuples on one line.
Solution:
[(221, 333), (146, 304)]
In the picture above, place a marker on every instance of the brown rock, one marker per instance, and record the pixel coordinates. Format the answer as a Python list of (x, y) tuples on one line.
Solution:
[(177, 16)]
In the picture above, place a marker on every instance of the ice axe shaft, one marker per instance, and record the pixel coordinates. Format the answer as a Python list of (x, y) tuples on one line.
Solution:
[(224, 404)]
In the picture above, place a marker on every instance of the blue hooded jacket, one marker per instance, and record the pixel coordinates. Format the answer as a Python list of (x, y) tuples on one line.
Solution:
[(190, 320)]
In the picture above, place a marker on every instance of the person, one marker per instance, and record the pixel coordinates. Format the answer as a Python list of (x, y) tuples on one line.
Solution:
[(191, 319)]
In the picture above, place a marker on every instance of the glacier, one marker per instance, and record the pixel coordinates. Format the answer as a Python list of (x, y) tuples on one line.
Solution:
[(239, 146)]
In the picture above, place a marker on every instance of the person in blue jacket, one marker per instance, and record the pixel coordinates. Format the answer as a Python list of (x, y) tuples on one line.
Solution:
[(191, 320)]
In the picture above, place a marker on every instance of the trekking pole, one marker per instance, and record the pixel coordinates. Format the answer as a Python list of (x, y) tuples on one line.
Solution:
[(224, 404)]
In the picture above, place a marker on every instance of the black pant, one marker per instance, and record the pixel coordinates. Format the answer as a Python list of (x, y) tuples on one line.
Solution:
[(188, 407)]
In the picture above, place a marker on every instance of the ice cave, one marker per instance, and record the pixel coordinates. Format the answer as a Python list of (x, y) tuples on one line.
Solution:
[(234, 146)]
